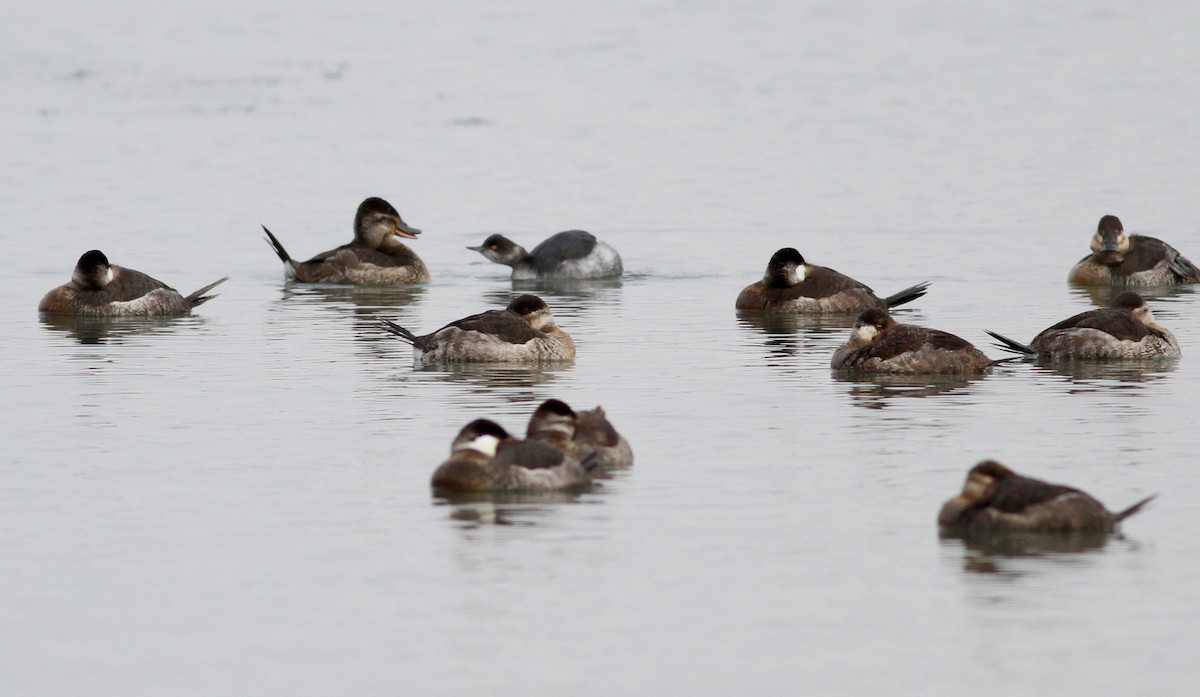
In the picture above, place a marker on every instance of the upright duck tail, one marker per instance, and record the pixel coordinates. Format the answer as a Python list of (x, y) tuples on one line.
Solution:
[(1134, 508), (199, 297), (395, 329), (274, 242), (1007, 344), (907, 295)]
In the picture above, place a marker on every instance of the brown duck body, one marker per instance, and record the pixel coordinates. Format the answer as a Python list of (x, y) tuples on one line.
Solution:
[(1118, 259), (587, 436), (375, 257), (791, 285), (100, 289), (498, 463), (358, 264), (524, 331), (1127, 329), (879, 345), (996, 499)]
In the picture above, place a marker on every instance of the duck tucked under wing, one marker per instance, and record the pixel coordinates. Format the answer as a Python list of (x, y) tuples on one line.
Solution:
[(1019, 493), (127, 285), (821, 282), (1118, 323), (501, 324), (528, 454)]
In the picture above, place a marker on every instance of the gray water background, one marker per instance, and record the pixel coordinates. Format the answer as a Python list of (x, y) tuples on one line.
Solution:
[(237, 502)]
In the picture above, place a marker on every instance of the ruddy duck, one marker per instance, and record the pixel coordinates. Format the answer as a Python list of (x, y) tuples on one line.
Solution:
[(101, 289), (375, 257), (586, 435), (879, 345), (1133, 260), (791, 285), (569, 254), (1125, 330), (483, 457), (523, 331), (996, 499)]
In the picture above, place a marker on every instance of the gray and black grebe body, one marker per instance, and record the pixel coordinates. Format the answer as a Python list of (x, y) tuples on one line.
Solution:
[(570, 254), (524, 331), (484, 458), (376, 257), (996, 499), (587, 436), (1127, 329), (878, 344), (1118, 259), (792, 285), (101, 289)]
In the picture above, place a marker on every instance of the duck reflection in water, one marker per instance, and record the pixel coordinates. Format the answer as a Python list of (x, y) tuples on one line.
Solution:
[(1104, 296), (478, 509), (103, 330), (987, 553), (512, 381), (877, 390)]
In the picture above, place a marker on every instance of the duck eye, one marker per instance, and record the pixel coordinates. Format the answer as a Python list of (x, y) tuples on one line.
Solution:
[(495, 247)]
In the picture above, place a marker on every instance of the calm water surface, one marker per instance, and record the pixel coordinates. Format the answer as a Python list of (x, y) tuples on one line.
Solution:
[(237, 502)]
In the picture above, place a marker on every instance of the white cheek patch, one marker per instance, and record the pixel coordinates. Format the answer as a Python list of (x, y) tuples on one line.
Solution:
[(801, 273), (485, 444), (108, 276), (866, 333)]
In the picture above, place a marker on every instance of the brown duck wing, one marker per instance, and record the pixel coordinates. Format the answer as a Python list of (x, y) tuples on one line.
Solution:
[(529, 454), (822, 282), (128, 284), (904, 338), (501, 324), (1016, 493), (1144, 254), (1118, 323)]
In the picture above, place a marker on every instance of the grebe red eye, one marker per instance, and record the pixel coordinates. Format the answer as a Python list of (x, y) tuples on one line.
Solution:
[(494, 248)]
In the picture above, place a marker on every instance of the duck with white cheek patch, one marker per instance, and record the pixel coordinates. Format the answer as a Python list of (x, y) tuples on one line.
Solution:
[(878, 344), (101, 289), (484, 458), (524, 331), (1118, 259), (996, 499), (375, 257), (792, 285), (1127, 329)]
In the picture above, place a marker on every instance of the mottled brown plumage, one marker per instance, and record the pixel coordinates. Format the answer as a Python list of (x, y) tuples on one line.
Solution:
[(791, 285), (994, 498), (1127, 329), (878, 344), (586, 435), (375, 257), (523, 331), (483, 457), (1133, 260), (101, 289)]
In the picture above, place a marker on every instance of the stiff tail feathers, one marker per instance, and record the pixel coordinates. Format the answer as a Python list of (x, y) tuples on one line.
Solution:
[(199, 297), (1007, 344), (907, 295), (279, 250), (1134, 508), (396, 330)]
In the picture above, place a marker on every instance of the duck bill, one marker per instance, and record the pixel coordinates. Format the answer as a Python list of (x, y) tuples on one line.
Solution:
[(403, 229), (1110, 249)]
